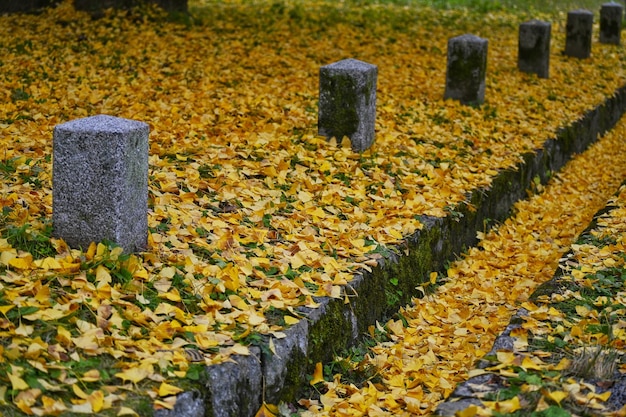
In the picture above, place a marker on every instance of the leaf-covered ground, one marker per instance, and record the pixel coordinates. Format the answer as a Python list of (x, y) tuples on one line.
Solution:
[(251, 214)]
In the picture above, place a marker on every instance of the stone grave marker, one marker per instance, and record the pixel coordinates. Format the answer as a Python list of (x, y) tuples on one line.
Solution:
[(611, 22), (578, 33), (100, 182), (534, 48), (347, 102), (467, 66)]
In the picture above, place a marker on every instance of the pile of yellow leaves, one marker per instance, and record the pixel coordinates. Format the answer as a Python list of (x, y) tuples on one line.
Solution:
[(251, 214), (437, 340)]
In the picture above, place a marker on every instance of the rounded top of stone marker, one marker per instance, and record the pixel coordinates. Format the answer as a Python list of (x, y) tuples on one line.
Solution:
[(612, 4), (468, 38), (581, 11), (102, 123), (536, 22), (350, 64)]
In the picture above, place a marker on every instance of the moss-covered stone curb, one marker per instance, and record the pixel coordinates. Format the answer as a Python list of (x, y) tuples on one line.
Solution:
[(238, 387)]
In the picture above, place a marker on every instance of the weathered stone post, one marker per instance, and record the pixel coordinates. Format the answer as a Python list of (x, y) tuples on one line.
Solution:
[(578, 33), (347, 102), (534, 48), (100, 182), (467, 66), (611, 22)]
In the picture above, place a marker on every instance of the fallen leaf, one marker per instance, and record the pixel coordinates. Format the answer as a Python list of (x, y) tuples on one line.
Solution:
[(318, 374), (267, 410), (166, 390), (556, 396), (17, 383), (135, 374)]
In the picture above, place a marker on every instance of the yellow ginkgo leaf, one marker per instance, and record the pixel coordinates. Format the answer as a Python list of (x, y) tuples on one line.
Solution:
[(24, 330), (17, 383), (5, 309), (52, 406), (582, 311), (91, 251), (506, 407), (21, 263), (63, 336), (267, 410), (7, 255), (134, 375), (506, 357), (91, 375), (167, 403), (468, 412), (172, 295), (532, 363), (305, 196), (96, 399), (24, 407), (318, 374), (79, 392), (556, 396), (166, 390), (102, 275), (126, 411), (475, 372), (602, 396), (48, 263)]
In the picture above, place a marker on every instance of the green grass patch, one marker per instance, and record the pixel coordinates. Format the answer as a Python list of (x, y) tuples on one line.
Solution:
[(27, 239)]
